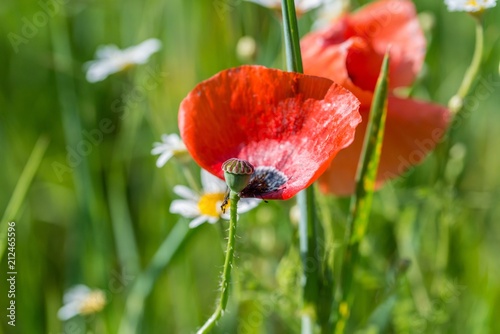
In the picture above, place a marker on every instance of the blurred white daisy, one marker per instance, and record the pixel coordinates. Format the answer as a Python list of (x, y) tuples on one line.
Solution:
[(329, 11), (246, 48), (206, 207), (80, 299), (110, 59), (170, 146), (469, 5), (301, 6)]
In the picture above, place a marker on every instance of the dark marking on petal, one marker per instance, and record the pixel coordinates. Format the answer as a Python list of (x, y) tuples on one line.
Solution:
[(264, 180)]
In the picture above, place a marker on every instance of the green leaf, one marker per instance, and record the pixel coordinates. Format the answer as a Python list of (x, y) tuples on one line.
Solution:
[(366, 175), (361, 201), (21, 189)]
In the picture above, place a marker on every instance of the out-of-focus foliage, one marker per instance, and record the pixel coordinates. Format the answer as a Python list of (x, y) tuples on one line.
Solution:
[(97, 209)]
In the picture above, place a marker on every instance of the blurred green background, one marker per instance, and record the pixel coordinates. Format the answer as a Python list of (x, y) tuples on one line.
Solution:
[(101, 221)]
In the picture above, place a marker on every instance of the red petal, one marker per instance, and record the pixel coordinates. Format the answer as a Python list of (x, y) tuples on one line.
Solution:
[(413, 128), (350, 51), (293, 122), (393, 23), (363, 65), (324, 59)]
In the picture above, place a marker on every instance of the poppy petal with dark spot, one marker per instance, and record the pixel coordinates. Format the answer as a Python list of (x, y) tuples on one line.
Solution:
[(286, 121)]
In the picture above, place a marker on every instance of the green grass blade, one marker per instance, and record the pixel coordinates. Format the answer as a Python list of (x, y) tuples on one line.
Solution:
[(134, 306), (361, 201), (21, 189), (370, 157), (291, 34), (308, 224)]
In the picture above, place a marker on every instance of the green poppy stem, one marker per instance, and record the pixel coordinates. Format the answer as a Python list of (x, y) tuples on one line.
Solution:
[(228, 264), (291, 34), (311, 264), (308, 229)]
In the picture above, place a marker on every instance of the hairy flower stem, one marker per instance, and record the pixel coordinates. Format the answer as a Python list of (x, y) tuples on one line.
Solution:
[(228, 264)]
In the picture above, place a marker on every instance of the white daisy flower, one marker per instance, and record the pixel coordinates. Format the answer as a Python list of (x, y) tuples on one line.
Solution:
[(469, 5), (329, 11), (206, 207), (80, 299), (110, 59), (301, 6), (170, 146)]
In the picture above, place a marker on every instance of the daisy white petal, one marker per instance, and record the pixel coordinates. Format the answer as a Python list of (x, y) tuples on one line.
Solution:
[(172, 139), (185, 208), (212, 220), (141, 53), (99, 70), (469, 5), (167, 148), (211, 183), (76, 293), (80, 299), (186, 193), (247, 204), (110, 59), (107, 51), (68, 311), (198, 221), (163, 159)]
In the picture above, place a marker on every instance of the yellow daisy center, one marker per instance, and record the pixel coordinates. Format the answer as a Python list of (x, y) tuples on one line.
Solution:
[(94, 302), (209, 204)]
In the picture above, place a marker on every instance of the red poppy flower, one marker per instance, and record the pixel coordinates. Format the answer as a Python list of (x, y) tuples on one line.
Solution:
[(350, 52), (288, 125)]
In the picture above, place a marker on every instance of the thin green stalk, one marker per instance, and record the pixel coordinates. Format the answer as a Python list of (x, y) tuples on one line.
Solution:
[(90, 219), (308, 237), (22, 186), (456, 102), (121, 221), (134, 305), (228, 264), (361, 200), (291, 34), (309, 256)]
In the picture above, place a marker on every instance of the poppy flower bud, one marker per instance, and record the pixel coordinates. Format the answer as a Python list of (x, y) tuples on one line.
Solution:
[(237, 173)]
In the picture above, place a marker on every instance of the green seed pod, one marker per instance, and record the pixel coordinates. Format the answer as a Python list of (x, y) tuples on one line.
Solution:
[(237, 173)]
